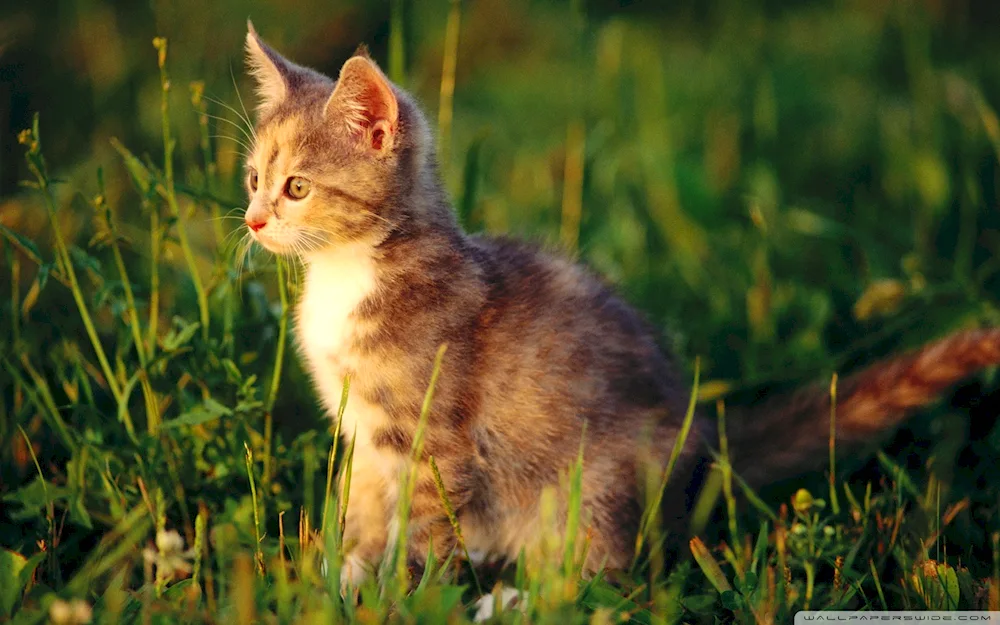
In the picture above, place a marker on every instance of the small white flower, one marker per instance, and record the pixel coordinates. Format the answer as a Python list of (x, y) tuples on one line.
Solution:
[(81, 612), (169, 556), (169, 542), (60, 612), (76, 612)]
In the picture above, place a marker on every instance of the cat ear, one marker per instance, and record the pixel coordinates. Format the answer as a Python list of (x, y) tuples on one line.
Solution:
[(269, 69), (364, 100)]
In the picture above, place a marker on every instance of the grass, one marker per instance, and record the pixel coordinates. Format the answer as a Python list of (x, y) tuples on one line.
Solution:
[(161, 456)]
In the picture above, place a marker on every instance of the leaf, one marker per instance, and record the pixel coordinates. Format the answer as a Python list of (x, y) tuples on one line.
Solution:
[(185, 589), (449, 597), (78, 513), (898, 474), (760, 549), (713, 389), (16, 572), (699, 604), (812, 224), (36, 288), (126, 392), (881, 298), (177, 338), (930, 177), (117, 595), (603, 594), (248, 406), (28, 570), (937, 584), (967, 584), (33, 497), (107, 290), (84, 260), (43, 275), (137, 171), (731, 600), (24, 242), (11, 565), (232, 371), (209, 410), (950, 586), (101, 239), (708, 565)]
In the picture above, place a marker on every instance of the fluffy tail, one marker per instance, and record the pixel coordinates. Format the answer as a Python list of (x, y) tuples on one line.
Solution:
[(787, 435)]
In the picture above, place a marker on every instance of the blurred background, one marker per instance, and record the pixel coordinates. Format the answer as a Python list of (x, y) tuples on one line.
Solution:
[(742, 170), (785, 188)]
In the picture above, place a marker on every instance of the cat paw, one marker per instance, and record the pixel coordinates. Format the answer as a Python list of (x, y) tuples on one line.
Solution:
[(509, 598), (353, 574)]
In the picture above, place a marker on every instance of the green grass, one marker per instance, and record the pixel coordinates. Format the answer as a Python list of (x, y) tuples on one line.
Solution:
[(790, 193)]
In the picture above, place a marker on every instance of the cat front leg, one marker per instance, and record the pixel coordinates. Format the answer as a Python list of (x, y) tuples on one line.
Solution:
[(365, 530), (430, 526)]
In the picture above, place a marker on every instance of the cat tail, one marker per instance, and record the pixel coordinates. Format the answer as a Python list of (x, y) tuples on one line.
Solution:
[(786, 436)]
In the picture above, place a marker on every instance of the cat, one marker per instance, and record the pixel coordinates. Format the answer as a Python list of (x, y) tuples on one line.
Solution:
[(343, 174)]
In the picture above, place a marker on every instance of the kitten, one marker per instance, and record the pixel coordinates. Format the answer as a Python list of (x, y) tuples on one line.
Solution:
[(343, 174)]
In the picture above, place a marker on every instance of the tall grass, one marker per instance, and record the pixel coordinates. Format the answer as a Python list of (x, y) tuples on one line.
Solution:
[(148, 386)]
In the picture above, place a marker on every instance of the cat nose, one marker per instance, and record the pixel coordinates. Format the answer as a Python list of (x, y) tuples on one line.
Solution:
[(255, 225)]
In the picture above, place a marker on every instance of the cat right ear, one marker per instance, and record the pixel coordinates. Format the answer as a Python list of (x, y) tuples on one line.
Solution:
[(269, 69), (365, 102)]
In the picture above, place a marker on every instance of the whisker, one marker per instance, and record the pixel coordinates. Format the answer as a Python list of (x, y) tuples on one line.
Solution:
[(319, 233), (233, 124), (233, 250), (294, 267), (245, 259), (229, 213), (369, 213), (246, 116), (241, 153), (229, 108), (234, 140), (239, 242), (232, 243), (232, 233), (238, 229), (243, 118), (314, 239), (310, 245)]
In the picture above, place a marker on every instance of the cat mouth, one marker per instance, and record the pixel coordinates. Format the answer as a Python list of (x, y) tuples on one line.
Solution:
[(271, 244)]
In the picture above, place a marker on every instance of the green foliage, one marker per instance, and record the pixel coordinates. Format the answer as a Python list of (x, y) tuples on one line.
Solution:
[(787, 192)]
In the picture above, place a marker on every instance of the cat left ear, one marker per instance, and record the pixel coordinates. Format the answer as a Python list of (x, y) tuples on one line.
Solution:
[(271, 71), (364, 100)]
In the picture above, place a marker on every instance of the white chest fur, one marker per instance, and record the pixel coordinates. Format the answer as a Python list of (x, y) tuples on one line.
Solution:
[(337, 281)]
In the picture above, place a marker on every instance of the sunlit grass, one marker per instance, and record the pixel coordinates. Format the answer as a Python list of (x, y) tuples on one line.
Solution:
[(148, 385)]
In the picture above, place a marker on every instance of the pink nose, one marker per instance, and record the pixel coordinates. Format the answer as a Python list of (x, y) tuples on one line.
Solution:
[(256, 225)]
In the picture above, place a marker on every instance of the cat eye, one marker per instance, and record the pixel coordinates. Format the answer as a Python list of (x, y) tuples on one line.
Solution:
[(252, 177), (297, 188)]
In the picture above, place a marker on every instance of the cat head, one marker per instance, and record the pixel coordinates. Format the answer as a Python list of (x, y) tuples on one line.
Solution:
[(330, 160)]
